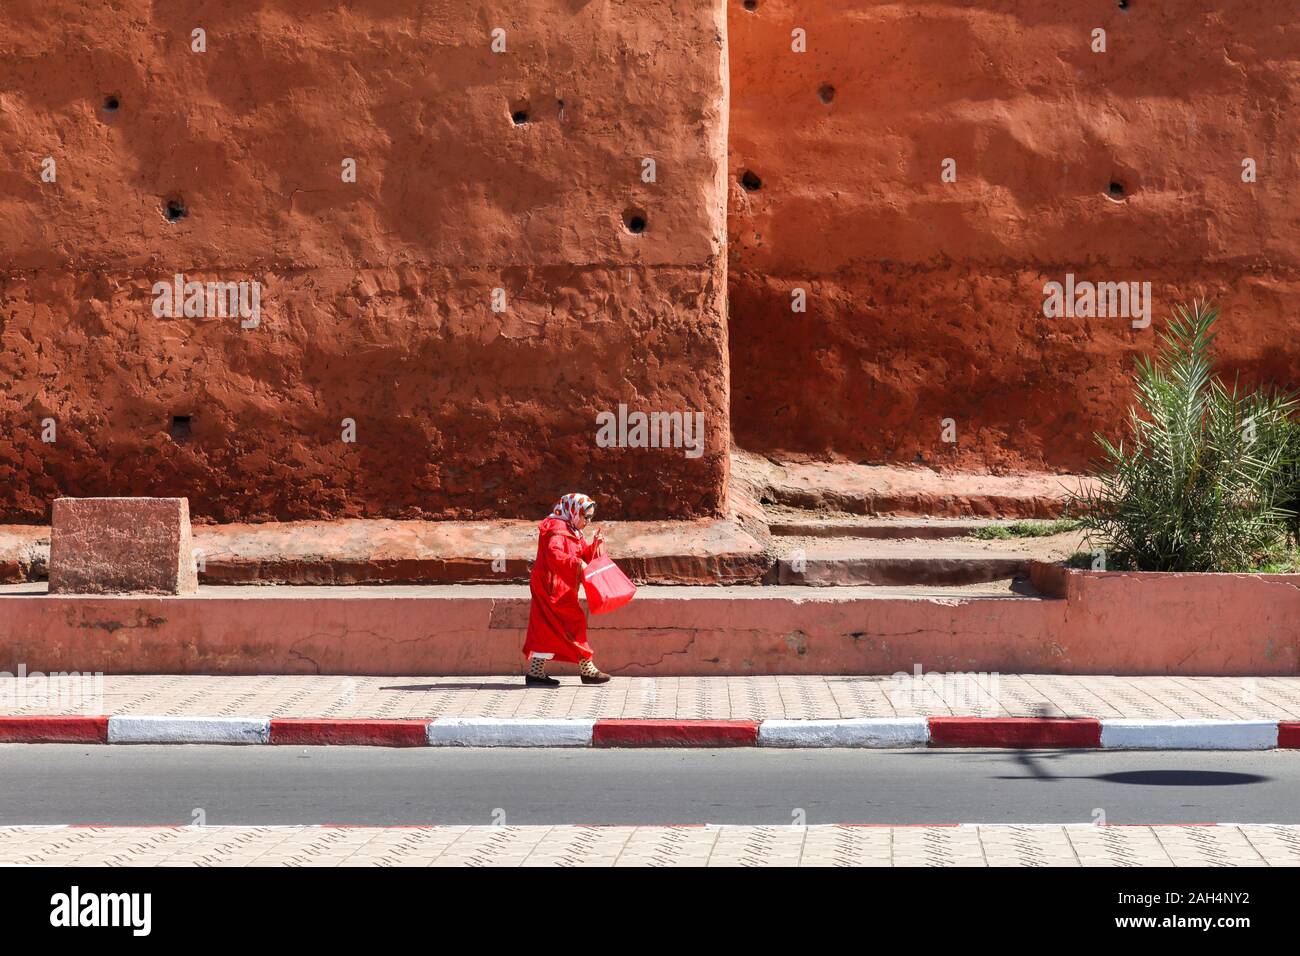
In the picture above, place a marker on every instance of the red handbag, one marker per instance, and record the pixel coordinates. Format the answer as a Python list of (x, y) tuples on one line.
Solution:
[(607, 587)]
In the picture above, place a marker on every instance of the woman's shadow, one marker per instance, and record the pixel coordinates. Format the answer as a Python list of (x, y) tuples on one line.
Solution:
[(479, 686)]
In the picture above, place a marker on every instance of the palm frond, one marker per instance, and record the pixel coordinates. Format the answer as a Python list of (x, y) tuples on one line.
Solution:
[(1209, 477)]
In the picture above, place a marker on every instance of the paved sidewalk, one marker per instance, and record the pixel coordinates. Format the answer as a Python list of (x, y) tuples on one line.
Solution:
[(996, 845), (672, 698)]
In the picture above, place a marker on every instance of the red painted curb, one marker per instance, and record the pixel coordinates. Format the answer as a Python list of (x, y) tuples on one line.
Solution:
[(1015, 732), (1288, 733), (350, 733), (675, 733), (54, 730)]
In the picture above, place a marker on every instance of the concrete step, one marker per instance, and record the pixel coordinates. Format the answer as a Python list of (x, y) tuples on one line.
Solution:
[(358, 551), (812, 525), (381, 551), (841, 562), (888, 489), (836, 551), (844, 550), (734, 549)]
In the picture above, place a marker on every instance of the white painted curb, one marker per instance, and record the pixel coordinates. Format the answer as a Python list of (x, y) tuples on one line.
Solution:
[(1140, 734), (189, 730), (509, 732), (849, 732), (865, 732)]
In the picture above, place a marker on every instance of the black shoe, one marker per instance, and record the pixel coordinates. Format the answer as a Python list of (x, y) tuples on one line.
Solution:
[(532, 681), (600, 677)]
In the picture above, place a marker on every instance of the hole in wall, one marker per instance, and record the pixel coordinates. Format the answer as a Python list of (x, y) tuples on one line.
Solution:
[(826, 92), (1123, 4), (112, 103), (750, 5), (749, 179), (181, 428), (1116, 189), (174, 210), (634, 221), (519, 113)]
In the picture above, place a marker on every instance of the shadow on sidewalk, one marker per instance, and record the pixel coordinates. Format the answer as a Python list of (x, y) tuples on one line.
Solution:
[(519, 685)]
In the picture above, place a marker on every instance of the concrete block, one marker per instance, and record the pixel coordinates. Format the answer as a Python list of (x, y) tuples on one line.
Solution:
[(510, 732), (189, 730), (122, 546), (1144, 734), (847, 732)]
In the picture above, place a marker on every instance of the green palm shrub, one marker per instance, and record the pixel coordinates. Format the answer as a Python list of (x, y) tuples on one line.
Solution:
[(1289, 495), (1207, 478)]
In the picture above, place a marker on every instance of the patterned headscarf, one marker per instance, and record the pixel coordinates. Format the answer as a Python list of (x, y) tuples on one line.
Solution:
[(570, 506)]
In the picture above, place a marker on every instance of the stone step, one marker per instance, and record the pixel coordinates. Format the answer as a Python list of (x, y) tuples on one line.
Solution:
[(810, 525), (380, 551), (718, 552), (843, 562), (359, 551), (887, 489)]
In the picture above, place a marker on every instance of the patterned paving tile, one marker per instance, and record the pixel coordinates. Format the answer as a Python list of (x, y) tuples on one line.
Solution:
[(939, 846), (793, 697)]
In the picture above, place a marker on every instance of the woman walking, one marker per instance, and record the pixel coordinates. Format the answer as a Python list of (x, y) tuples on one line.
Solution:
[(557, 625)]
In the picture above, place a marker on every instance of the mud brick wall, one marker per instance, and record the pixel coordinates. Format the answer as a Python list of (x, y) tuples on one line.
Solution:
[(924, 297), (129, 155)]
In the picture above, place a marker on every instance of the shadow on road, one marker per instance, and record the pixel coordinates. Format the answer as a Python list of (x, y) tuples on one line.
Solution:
[(1036, 764), (1180, 778), (1033, 762)]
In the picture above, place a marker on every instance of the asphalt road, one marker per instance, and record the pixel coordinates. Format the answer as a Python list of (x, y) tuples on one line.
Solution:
[(375, 786)]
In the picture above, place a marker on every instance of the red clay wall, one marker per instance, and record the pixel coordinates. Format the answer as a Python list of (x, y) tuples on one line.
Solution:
[(925, 298), (376, 295)]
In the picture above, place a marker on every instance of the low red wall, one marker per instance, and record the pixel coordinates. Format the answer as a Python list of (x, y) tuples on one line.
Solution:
[(1106, 624)]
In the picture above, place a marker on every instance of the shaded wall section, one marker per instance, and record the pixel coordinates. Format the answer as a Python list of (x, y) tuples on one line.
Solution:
[(519, 170), (925, 298)]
